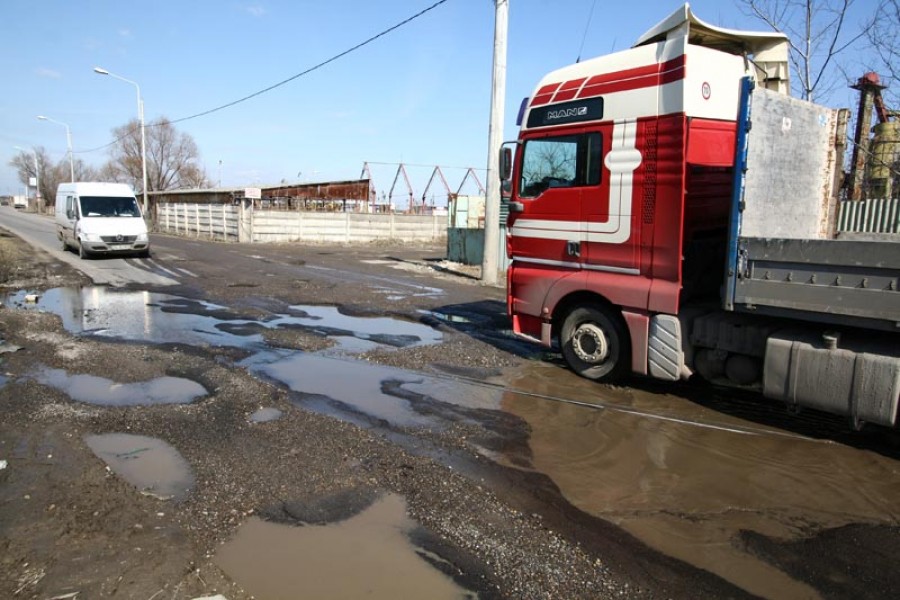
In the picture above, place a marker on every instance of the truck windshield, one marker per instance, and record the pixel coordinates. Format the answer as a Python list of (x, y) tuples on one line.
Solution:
[(109, 206), (561, 161)]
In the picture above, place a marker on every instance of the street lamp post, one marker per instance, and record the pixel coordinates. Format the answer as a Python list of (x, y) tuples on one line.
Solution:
[(37, 175), (68, 143), (140, 102)]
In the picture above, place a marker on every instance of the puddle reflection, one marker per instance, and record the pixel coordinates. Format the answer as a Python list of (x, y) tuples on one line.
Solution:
[(162, 318), (91, 389), (394, 395)]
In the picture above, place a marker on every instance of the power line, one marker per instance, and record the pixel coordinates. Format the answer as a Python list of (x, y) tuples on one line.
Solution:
[(313, 68), (281, 83), (586, 27), (115, 141)]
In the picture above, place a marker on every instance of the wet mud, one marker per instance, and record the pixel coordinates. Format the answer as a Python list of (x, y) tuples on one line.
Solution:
[(842, 562)]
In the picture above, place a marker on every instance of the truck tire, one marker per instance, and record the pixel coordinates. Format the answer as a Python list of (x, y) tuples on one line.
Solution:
[(595, 343), (82, 251)]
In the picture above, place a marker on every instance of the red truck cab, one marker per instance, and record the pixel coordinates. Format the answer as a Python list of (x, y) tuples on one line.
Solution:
[(623, 168)]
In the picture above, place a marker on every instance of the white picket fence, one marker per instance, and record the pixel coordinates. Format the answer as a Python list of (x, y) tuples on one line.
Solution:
[(243, 224)]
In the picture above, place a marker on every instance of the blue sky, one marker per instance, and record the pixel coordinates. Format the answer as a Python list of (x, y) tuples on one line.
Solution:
[(419, 94)]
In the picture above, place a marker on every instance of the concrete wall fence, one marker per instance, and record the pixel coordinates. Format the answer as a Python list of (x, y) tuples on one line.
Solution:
[(240, 223), (237, 223), (869, 216)]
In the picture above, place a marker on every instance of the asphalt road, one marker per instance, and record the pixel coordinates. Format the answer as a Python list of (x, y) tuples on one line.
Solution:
[(40, 231)]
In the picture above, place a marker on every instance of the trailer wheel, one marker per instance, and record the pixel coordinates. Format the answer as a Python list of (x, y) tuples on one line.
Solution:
[(595, 343)]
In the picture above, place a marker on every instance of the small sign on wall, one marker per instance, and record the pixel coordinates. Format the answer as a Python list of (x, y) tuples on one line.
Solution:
[(253, 193)]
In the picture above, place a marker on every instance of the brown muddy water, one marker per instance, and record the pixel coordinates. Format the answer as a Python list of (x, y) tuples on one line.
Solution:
[(687, 481), (369, 555), (149, 464)]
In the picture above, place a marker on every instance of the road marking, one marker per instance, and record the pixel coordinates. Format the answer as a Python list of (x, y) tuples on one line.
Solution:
[(185, 271), (157, 266)]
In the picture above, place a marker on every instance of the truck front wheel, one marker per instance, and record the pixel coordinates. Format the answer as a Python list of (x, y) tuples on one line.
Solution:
[(595, 343)]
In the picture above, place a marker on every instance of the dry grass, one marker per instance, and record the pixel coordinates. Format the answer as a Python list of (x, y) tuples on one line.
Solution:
[(8, 255)]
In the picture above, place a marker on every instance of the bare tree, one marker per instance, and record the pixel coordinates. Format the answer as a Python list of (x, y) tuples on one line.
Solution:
[(818, 32), (882, 34), (172, 157), (51, 174)]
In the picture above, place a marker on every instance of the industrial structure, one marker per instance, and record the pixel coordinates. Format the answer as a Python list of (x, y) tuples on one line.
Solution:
[(875, 163)]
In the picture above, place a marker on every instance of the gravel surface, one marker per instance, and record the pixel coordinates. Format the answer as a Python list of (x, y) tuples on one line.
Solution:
[(68, 524)]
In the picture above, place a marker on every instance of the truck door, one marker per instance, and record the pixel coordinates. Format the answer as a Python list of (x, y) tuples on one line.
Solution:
[(547, 225), (612, 242)]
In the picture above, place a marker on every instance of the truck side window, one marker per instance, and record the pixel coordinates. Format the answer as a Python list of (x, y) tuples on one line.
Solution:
[(560, 162)]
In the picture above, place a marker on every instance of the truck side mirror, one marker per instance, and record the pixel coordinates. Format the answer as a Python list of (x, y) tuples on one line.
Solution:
[(505, 163)]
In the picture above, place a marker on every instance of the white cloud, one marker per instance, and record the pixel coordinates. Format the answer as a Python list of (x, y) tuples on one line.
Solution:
[(125, 32), (257, 10), (49, 73)]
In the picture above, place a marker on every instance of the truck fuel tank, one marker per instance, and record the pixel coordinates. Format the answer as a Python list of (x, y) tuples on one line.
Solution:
[(859, 378)]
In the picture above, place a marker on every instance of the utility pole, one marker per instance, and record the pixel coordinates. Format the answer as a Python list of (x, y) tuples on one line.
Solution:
[(490, 265)]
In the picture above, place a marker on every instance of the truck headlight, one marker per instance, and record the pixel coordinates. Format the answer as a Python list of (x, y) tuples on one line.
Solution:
[(91, 237), (142, 237)]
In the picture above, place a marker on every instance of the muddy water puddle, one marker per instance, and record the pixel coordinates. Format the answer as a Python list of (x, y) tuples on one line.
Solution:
[(264, 415), (162, 318), (100, 391), (398, 397), (689, 489), (151, 465), (274, 561)]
